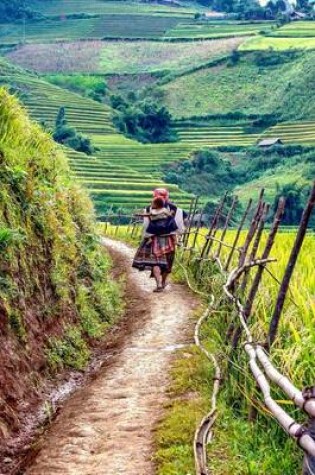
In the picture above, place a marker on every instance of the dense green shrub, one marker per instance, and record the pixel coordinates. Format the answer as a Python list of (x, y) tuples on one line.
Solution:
[(94, 87), (205, 174), (68, 136), (295, 196), (12, 10), (145, 121)]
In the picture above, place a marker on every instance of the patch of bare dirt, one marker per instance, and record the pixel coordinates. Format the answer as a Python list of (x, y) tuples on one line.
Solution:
[(106, 428)]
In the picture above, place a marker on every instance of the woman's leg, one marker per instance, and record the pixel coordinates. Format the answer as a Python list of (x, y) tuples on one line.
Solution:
[(158, 276)]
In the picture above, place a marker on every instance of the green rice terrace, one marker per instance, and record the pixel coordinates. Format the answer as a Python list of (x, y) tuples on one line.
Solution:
[(105, 370), (215, 75)]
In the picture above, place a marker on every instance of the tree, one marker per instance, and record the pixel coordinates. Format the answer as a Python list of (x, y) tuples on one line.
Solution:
[(295, 196), (61, 118), (146, 121), (68, 136), (14, 10)]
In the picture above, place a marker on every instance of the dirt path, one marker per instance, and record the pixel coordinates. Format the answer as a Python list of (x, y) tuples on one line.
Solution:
[(106, 428)]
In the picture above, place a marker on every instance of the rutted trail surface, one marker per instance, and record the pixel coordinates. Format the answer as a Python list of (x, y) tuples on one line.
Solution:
[(106, 428)]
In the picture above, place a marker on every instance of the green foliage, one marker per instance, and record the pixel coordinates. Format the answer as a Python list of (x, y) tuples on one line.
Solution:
[(71, 350), (52, 269), (295, 196), (90, 86), (7, 238), (68, 136), (210, 173), (205, 174), (144, 121), (260, 83), (13, 10)]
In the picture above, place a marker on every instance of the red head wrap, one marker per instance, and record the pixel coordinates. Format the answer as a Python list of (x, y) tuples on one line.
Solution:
[(161, 193)]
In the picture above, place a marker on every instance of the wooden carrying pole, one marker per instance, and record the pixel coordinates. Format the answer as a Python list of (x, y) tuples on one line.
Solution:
[(290, 267)]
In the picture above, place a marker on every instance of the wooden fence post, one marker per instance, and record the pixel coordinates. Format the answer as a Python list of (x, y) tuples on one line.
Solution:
[(226, 224), (254, 287), (290, 267), (193, 209), (261, 226), (213, 226), (197, 230), (238, 233), (252, 228)]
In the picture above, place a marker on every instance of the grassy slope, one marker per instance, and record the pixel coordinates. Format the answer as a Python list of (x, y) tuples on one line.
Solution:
[(246, 87), (216, 29), (106, 26), (55, 294), (66, 7), (296, 29), (278, 43)]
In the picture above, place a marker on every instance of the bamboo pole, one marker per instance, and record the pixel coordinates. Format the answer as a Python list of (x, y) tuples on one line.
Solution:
[(191, 218), (238, 233), (225, 227), (252, 228), (191, 207), (261, 226), (255, 285), (290, 267), (217, 214)]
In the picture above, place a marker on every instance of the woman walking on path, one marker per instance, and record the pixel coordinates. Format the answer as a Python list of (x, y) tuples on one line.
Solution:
[(162, 222)]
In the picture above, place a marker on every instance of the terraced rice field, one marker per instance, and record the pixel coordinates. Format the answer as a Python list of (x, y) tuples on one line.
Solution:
[(302, 132), (44, 101), (105, 26), (119, 186), (277, 43), (67, 7), (201, 135), (296, 29), (124, 172), (219, 29)]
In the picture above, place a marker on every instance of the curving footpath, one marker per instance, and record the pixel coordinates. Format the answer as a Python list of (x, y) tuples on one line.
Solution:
[(106, 428)]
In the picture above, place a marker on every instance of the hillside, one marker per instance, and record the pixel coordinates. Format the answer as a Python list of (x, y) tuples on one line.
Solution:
[(56, 294), (123, 172), (256, 83), (217, 76)]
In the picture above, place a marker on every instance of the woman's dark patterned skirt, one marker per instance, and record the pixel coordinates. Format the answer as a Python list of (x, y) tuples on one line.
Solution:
[(156, 251)]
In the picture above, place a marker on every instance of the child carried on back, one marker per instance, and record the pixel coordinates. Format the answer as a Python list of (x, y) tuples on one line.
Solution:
[(160, 219)]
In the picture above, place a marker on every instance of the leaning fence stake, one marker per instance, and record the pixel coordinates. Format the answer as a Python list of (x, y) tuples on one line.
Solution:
[(226, 224), (252, 228), (254, 288), (191, 218), (261, 226), (212, 229), (290, 267), (238, 233)]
